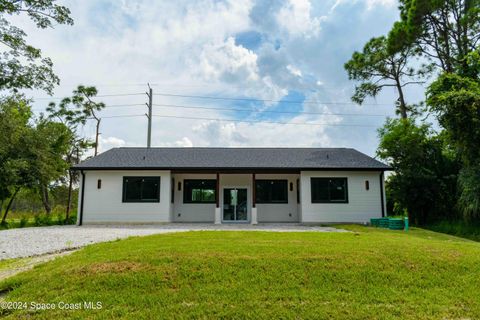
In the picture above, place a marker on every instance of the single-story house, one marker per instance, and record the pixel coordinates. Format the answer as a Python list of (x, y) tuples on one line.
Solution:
[(231, 185)]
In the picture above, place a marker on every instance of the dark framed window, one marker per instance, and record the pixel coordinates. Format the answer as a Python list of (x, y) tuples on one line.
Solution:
[(271, 191), (199, 191), (329, 190), (141, 189)]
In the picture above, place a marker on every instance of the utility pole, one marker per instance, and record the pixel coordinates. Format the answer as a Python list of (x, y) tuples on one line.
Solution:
[(149, 116)]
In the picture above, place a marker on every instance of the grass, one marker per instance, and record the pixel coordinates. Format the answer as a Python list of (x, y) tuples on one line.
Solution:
[(458, 228), (368, 273)]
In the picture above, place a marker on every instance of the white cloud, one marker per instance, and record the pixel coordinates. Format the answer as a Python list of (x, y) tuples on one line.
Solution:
[(371, 4), (295, 17), (293, 70), (184, 142), (105, 143), (228, 62), (215, 133)]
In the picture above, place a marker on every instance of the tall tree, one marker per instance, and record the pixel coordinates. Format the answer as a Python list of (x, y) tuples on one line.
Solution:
[(80, 108), (376, 68), (48, 145), (15, 114), (74, 112), (448, 34), (425, 169), (456, 102), (22, 65), (444, 31)]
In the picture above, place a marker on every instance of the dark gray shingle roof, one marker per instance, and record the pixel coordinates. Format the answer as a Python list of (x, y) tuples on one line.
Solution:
[(232, 158)]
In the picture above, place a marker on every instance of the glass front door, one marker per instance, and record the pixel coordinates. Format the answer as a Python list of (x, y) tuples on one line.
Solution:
[(234, 204)]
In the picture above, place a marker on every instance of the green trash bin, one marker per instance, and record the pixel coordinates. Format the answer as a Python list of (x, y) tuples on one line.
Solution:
[(374, 222), (396, 224), (383, 222)]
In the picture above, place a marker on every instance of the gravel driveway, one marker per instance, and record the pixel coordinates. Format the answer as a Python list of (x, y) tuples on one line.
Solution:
[(26, 242)]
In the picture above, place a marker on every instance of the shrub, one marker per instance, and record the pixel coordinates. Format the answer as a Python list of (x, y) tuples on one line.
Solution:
[(43, 220), (4, 225), (23, 222)]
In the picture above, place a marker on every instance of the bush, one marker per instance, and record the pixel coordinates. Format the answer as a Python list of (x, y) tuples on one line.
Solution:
[(23, 222), (43, 220), (71, 220)]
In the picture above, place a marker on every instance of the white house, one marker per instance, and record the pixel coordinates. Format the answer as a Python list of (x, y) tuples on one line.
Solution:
[(231, 185)]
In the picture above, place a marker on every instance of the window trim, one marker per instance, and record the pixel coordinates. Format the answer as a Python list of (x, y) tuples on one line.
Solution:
[(257, 201), (124, 190), (328, 201), (186, 201)]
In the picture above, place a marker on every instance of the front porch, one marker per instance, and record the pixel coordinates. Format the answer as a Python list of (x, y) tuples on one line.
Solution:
[(235, 198)]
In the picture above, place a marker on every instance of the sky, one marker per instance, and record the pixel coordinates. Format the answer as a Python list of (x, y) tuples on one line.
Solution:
[(278, 63)]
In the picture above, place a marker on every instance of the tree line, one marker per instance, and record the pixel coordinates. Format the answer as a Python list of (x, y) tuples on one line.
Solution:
[(37, 152), (436, 171)]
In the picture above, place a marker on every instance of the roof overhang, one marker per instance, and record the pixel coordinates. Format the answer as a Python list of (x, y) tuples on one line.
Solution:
[(226, 169)]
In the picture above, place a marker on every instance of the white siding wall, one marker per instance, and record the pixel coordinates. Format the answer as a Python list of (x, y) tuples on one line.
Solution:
[(191, 212), (105, 204), (281, 212), (362, 204)]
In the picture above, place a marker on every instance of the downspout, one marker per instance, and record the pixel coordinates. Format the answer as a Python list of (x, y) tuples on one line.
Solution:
[(82, 199), (381, 195)]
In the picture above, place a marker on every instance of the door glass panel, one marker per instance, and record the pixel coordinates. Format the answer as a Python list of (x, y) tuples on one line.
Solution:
[(228, 208), (242, 204), (234, 204)]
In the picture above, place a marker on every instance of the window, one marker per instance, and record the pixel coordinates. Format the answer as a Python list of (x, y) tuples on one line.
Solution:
[(199, 191), (329, 190), (141, 189), (271, 191)]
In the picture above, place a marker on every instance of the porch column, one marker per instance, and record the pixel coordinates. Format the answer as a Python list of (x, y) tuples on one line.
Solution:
[(254, 199), (218, 216)]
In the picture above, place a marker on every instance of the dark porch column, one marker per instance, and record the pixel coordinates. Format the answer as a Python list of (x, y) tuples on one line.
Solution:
[(217, 191), (254, 197)]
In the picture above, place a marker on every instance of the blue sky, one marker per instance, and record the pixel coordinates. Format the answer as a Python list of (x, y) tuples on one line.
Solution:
[(277, 51)]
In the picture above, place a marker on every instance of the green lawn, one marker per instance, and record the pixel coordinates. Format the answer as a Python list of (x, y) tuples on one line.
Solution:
[(366, 274)]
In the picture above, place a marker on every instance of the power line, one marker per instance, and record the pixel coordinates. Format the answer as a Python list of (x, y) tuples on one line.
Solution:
[(245, 121), (270, 122), (98, 96), (124, 105), (108, 106), (266, 100), (270, 111), (119, 95), (121, 116)]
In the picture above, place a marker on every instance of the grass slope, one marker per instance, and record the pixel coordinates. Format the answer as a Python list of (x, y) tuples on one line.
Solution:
[(365, 274)]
